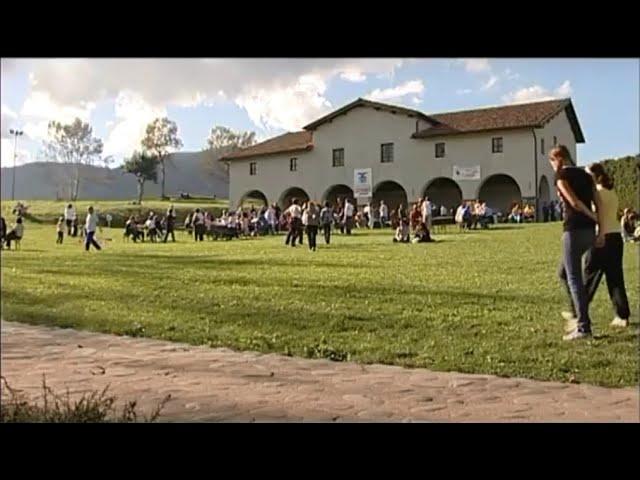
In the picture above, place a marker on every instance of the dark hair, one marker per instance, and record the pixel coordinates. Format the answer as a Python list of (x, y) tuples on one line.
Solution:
[(19, 220), (601, 176), (563, 152), (327, 204)]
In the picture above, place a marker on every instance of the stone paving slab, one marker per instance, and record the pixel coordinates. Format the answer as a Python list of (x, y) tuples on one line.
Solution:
[(220, 385)]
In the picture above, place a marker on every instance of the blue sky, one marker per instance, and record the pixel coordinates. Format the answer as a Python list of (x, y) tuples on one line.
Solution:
[(270, 96)]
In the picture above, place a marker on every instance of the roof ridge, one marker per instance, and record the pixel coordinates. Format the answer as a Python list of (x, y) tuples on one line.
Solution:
[(495, 107)]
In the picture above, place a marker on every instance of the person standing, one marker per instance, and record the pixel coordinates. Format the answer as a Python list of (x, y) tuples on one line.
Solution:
[(170, 224), (607, 261), (91, 224), (295, 222), (578, 191), (326, 219), (198, 225), (69, 215), (16, 233), (60, 230), (313, 220), (348, 215), (270, 217), (384, 214), (427, 212)]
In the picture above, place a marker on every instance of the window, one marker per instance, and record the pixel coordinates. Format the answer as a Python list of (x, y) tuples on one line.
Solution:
[(386, 153), (555, 141), (439, 150), (338, 157), (496, 144), (542, 146), (293, 164), (252, 168)]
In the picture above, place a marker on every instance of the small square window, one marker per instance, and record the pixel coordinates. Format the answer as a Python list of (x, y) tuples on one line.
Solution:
[(338, 157), (496, 145), (386, 153), (252, 168), (293, 164), (440, 150)]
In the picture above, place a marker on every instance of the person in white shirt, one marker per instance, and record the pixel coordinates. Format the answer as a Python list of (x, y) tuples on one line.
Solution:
[(426, 212), (69, 215), (16, 232), (295, 223), (270, 217), (348, 215), (90, 226), (384, 214), (443, 211), (367, 215)]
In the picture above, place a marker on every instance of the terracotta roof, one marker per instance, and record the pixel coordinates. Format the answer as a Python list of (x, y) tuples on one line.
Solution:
[(361, 102), (288, 142), (502, 118)]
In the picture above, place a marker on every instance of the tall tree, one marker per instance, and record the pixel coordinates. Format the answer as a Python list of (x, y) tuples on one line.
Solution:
[(75, 144), (161, 138), (223, 140), (145, 167)]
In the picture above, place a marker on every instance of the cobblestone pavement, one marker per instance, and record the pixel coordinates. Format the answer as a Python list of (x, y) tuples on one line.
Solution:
[(212, 385)]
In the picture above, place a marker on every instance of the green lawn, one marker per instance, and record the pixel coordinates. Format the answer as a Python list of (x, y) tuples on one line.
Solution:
[(481, 302)]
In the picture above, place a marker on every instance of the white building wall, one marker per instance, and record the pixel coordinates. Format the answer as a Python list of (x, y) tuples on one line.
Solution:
[(362, 130)]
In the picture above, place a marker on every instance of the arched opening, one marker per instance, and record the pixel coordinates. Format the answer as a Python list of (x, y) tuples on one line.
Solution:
[(392, 193), (443, 191), (254, 198), (500, 191), (336, 192), (289, 194)]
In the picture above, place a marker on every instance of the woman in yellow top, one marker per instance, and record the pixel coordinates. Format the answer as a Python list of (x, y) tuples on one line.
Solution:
[(607, 261)]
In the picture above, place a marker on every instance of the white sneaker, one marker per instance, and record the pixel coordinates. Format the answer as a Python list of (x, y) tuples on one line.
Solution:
[(572, 321), (620, 322), (576, 335)]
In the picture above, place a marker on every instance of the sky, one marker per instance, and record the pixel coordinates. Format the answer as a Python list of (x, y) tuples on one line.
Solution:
[(120, 96)]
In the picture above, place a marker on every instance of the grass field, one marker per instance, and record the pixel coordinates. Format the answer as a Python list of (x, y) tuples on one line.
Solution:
[(479, 302)]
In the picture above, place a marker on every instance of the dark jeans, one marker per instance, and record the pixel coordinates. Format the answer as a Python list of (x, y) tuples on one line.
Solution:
[(312, 233), (89, 240), (166, 235), (60, 237), (574, 246), (607, 261), (348, 224), (326, 230), (69, 223), (295, 232), (11, 236), (198, 230)]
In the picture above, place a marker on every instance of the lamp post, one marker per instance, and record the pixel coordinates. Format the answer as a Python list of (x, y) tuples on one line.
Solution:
[(16, 134)]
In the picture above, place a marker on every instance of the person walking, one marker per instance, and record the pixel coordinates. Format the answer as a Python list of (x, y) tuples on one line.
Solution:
[(606, 261), (326, 219), (91, 224), (348, 215), (578, 192), (198, 225), (170, 224), (294, 213), (69, 216), (384, 214), (313, 220)]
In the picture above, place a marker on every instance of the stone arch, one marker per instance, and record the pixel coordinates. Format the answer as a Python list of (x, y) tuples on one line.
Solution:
[(443, 191), (500, 191), (290, 193), (255, 198), (339, 191), (392, 193)]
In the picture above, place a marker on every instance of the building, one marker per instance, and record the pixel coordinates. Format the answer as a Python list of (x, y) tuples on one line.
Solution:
[(388, 152)]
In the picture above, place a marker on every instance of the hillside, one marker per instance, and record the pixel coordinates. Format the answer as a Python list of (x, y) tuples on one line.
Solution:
[(195, 172)]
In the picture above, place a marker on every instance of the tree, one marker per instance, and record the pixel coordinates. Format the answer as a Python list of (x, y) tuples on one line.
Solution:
[(625, 172), (145, 167), (161, 138), (223, 140), (73, 144)]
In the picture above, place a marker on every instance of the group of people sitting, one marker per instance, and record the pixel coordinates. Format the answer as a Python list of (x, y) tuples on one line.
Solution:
[(415, 226), (470, 214), (521, 214), (154, 228)]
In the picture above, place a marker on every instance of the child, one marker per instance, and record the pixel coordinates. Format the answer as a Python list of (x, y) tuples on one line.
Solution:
[(422, 234), (60, 228)]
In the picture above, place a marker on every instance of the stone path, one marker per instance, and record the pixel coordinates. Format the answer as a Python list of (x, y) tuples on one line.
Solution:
[(210, 385)]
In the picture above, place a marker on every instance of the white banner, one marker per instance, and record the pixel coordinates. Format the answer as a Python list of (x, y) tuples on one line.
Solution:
[(362, 184), (466, 173)]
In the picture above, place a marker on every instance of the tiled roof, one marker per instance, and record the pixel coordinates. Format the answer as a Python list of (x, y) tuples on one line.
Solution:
[(288, 142)]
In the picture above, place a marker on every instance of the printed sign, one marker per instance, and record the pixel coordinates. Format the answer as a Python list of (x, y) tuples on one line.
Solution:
[(466, 173), (362, 185)]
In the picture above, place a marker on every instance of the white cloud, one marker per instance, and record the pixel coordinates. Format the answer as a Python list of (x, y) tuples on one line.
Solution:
[(463, 91), (537, 93), (416, 100), (564, 90), (7, 119), (6, 153), (490, 83), (287, 108), (132, 115), (476, 65), (353, 76), (509, 75), (396, 93)]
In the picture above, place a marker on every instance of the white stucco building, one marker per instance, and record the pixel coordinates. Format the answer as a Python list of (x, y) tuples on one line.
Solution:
[(496, 154)]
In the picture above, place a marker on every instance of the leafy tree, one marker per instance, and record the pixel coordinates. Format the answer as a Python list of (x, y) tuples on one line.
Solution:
[(145, 167), (161, 138)]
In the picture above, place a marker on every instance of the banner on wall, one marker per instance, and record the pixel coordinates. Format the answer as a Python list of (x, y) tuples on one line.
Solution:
[(466, 173), (362, 183)]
